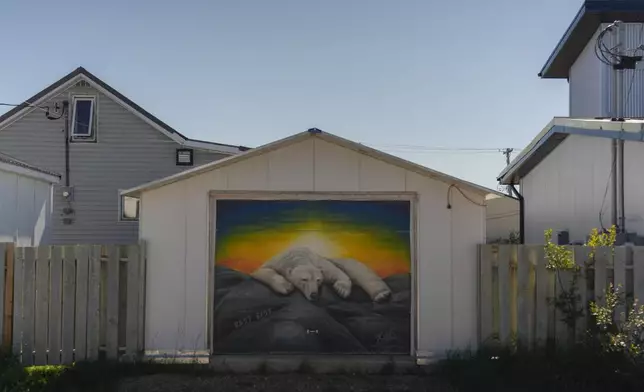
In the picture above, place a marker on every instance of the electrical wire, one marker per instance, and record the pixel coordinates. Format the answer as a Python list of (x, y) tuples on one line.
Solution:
[(449, 193), (601, 208)]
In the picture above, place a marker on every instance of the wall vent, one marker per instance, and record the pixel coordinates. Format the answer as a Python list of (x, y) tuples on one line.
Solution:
[(184, 157)]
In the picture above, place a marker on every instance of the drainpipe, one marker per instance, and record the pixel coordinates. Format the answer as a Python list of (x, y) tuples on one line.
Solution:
[(66, 113), (521, 214)]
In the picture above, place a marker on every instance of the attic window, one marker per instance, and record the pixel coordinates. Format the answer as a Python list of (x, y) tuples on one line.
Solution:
[(83, 121)]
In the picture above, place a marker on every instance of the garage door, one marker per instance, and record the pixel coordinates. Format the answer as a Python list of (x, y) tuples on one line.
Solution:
[(312, 276)]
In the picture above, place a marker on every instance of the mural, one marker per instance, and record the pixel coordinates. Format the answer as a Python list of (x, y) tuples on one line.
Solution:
[(328, 276)]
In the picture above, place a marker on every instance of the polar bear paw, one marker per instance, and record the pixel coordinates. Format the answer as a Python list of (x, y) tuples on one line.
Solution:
[(343, 288), (382, 296)]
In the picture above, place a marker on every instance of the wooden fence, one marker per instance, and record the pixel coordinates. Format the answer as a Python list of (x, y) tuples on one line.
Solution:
[(64, 304), (516, 290)]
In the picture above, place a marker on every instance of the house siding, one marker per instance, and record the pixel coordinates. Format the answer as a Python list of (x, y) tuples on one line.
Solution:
[(128, 152), (585, 84), (591, 82), (568, 189)]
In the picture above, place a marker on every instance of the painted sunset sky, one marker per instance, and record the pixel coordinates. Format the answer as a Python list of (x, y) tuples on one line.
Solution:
[(376, 233)]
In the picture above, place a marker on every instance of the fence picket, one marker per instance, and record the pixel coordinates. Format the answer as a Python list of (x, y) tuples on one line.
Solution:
[(18, 282), (93, 303), (42, 305), (131, 318), (486, 323), (69, 282), (602, 258), (582, 256), (80, 323), (55, 305), (543, 278), (3, 263), (638, 274), (504, 294), (141, 302), (7, 330), (526, 293), (112, 302), (28, 306), (619, 276)]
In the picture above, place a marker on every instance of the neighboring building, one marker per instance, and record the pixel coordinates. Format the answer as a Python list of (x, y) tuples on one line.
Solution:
[(396, 242), (111, 144), (565, 177), (25, 201), (568, 173), (502, 218), (590, 81)]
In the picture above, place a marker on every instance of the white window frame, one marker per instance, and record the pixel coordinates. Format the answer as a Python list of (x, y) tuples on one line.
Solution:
[(122, 217), (92, 128)]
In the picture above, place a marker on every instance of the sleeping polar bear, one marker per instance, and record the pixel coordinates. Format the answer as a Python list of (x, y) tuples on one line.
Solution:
[(305, 270)]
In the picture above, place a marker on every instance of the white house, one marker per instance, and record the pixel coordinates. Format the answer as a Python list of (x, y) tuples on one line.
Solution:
[(25, 201), (311, 244), (565, 176)]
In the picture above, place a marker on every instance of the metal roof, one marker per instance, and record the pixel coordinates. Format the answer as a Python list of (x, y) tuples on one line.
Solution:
[(70, 77), (558, 130), (4, 158), (588, 19), (337, 140)]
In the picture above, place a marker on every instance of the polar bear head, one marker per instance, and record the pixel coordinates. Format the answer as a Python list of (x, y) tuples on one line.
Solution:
[(307, 278)]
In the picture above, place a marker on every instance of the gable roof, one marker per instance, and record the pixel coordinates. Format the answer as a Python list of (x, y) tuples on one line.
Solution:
[(588, 19), (81, 73), (337, 140), (14, 165), (558, 130)]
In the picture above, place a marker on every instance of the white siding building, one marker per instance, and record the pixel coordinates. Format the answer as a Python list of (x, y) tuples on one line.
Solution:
[(565, 177), (25, 202), (179, 216)]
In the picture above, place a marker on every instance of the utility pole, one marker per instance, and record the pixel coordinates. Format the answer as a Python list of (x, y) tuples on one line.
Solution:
[(508, 152)]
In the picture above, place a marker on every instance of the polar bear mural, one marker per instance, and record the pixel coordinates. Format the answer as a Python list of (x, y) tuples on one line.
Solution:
[(312, 276), (302, 269)]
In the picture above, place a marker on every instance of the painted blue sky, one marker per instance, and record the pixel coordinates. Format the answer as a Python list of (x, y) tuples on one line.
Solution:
[(387, 73)]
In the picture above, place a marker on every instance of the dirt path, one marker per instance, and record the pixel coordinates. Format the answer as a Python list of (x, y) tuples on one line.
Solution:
[(283, 383)]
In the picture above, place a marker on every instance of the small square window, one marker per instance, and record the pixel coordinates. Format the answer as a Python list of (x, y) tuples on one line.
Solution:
[(82, 120), (129, 208)]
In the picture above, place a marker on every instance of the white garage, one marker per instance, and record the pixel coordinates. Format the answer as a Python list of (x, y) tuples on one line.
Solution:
[(25, 201), (312, 244)]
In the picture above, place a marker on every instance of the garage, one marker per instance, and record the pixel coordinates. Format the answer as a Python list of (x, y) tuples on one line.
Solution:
[(312, 244)]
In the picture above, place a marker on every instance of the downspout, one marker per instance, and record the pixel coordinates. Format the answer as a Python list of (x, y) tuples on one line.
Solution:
[(66, 130), (521, 214)]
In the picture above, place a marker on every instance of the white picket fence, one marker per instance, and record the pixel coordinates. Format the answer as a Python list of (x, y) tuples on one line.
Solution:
[(515, 288), (65, 304)]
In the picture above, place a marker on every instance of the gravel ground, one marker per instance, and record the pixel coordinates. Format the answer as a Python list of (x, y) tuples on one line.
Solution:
[(282, 383)]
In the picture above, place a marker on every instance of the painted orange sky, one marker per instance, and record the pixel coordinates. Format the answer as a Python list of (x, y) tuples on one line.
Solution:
[(257, 233)]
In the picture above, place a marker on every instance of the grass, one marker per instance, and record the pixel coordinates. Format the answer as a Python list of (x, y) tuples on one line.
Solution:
[(494, 369)]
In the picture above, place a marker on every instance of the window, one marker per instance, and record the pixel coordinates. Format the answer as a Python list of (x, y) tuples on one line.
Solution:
[(83, 120), (129, 208)]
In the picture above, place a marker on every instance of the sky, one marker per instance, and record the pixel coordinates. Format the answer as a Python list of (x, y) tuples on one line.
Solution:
[(404, 76)]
